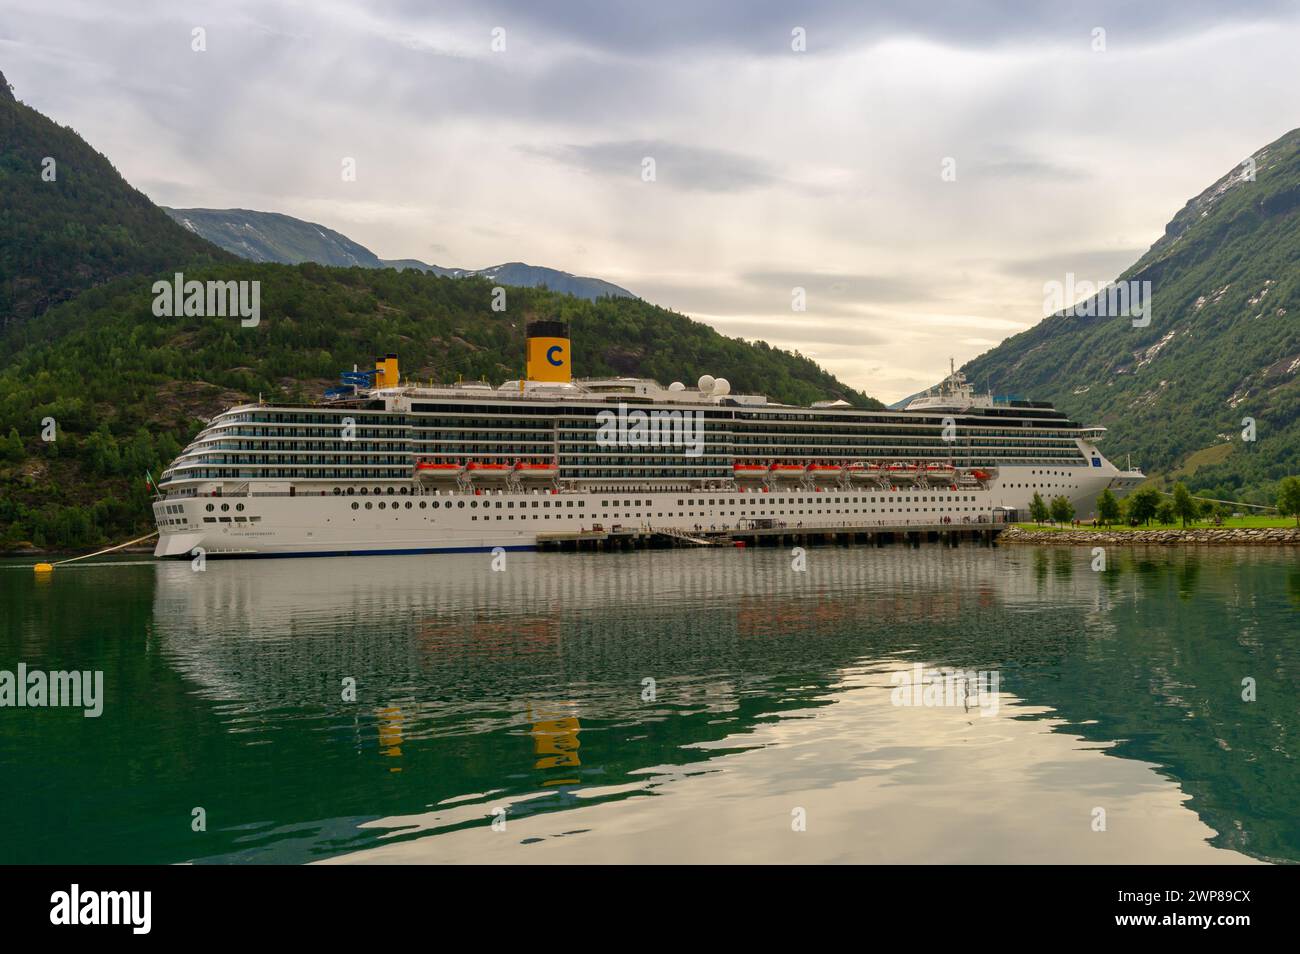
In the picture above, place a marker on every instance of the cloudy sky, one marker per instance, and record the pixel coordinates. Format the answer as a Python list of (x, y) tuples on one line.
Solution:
[(775, 168)]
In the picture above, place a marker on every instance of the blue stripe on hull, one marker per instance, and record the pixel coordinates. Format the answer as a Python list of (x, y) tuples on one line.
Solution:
[(344, 553)]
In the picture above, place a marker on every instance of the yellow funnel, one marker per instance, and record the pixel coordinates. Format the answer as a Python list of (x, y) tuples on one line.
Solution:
[(548, 357)]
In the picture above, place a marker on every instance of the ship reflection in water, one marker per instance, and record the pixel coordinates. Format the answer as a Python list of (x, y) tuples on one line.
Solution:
[(665, 706), (707, 705)]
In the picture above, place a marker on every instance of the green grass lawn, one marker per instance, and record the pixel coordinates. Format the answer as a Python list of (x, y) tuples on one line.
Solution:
[(1228, 523)]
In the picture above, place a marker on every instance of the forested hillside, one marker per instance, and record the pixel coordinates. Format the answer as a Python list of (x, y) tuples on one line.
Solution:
[(69, 221), (128, 389), (1223, 343)]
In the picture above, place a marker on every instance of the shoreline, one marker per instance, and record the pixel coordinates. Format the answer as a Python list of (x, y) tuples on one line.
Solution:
[(1192, 536), (43, 553)]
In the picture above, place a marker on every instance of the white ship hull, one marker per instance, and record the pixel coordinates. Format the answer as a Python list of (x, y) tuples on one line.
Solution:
[(428, 522)]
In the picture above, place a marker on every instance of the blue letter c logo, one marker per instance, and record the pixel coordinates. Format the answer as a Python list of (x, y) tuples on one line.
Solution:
[(551, 353)]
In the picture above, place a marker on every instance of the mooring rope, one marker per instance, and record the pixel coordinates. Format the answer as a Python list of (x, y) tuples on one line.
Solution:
[(87, 556)]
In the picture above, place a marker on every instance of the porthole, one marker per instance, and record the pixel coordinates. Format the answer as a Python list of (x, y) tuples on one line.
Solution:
[(408, 505), (225, 507), (355, 505), (473, 503), (209, 508), (423, 504), (382, 505), (239, 506), (365, 490), (369, 505), (337, 491), (460, 503)]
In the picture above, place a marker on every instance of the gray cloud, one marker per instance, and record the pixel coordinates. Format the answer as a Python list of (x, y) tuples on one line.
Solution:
[(1021, 167), (753, 294), (676, 165), (842, 287), (804, 334), (1098, 264), (774, 170), (762, 27)]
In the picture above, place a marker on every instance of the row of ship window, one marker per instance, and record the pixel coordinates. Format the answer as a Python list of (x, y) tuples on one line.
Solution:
[(718, 462), (472, 504), (771, 512), (606, 504), (386, 471), (567, 416), (872, 435), (476, 441)]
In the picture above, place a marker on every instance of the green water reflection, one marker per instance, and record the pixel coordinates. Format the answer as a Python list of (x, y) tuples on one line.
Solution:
[(225, 691)]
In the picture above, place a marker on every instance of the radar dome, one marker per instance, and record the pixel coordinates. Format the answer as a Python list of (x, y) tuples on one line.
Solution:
[(677, 386), (705, 383), (721, 386)]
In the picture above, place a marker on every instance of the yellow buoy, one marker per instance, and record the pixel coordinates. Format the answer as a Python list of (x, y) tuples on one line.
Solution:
[(44, 568)]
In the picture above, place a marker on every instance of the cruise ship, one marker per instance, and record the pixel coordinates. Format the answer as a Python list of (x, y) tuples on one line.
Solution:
[(382, 466)]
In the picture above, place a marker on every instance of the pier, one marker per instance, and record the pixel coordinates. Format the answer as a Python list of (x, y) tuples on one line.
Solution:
[(643, 538)]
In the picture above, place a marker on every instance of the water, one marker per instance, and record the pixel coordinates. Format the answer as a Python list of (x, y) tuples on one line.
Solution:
[(520, 695)]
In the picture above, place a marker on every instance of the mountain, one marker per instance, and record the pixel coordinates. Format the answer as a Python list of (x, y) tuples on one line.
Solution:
[(401, 264), (69, 221), (526, 276), (1222, 345), (272, 237)]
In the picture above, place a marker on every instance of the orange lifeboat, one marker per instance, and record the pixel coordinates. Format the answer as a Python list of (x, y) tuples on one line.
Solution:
[(526, 470), (826, 470), (488, 470), (432, 470), (940, 473), (901, 473), (786, 471), (749, 471)]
